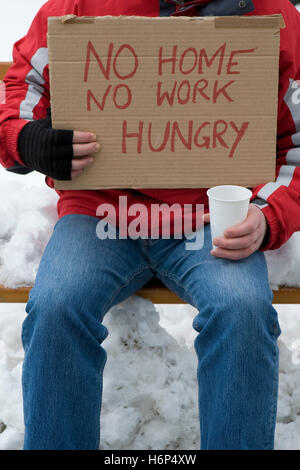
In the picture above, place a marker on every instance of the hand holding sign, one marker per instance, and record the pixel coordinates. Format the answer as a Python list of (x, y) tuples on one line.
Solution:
[(170, 113), (84, 143)]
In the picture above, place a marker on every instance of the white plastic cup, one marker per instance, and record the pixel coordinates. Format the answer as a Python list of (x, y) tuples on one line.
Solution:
[(228, 206)]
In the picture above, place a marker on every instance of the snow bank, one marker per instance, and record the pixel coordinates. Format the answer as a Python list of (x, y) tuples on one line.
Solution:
[(150, 382), (150, 388), (27, 217)]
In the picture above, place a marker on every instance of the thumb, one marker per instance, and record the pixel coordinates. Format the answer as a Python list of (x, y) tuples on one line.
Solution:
[(206, 218)]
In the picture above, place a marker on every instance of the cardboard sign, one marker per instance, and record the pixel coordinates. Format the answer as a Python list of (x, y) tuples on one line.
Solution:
[(175, 102)]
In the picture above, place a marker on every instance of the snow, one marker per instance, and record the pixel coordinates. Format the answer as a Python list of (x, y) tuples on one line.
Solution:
[(27, 219), (150, 386)]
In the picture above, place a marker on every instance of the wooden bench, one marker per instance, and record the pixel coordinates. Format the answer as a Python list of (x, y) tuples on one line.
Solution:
[(4, 66), (154, 290)]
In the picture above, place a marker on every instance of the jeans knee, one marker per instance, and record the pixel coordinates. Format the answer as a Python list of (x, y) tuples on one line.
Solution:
[(251, 312), (246, 311), (54, 315)]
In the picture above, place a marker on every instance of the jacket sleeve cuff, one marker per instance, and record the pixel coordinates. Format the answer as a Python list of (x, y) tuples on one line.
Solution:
[(13, 128), (271, 240)]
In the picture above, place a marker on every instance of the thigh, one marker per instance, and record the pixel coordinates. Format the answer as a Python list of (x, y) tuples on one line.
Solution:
[(198, 277), (91, 273)]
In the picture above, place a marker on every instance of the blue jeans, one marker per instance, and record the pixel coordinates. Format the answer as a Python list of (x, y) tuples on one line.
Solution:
[(81, 277)]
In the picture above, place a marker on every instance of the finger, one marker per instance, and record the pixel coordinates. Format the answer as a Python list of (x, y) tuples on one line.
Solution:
[(75, 173), (250, 224), (81, 163), (80, 150), (83, 137), (206, 217), (233, 254), (236, 243)]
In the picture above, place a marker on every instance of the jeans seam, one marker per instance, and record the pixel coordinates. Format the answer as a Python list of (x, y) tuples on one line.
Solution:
[(107, 305), (273, 412), (178, 283), (98, 442), (147, 250), (23, 338)]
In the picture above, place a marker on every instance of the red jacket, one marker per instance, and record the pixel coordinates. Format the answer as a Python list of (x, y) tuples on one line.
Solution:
[(27, 98)]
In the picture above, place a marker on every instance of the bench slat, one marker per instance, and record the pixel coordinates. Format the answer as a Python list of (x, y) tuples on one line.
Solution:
[(4, 66), (154, 291), (18, 295)]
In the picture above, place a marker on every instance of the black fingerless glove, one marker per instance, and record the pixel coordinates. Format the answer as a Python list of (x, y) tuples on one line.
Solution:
[(46, 150)]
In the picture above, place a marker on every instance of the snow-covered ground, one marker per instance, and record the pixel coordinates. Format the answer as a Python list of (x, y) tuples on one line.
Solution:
[(153, 403), (150, 386)]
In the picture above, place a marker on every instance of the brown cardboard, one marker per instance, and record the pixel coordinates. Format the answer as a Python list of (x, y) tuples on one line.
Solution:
[(105, 78)]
